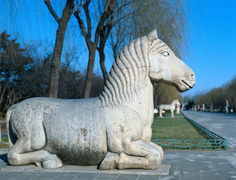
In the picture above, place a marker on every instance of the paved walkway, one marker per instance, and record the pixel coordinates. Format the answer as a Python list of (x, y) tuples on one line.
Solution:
[(186, 165), (222, 124)]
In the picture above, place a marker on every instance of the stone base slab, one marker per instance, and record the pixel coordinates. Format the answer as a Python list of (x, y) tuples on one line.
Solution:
[(162, 170)]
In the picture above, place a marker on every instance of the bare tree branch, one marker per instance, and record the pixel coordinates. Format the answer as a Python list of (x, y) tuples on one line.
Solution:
[(107, 12), (81, 24), (89, 26), (48, 3)]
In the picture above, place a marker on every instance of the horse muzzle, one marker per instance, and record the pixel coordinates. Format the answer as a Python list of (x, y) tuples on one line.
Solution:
[(187, 82)]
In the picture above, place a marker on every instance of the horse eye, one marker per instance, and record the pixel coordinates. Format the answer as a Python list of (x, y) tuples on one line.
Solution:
[(165, 53)]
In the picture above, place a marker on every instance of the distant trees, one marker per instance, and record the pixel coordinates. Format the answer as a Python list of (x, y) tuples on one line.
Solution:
[(218, 97), (23, 76), (14, 68), (189, 104), (165, 94)]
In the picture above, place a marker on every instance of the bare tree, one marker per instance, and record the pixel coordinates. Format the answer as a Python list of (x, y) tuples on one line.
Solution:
[(92, 40), (56, 58), (103, 38), (217, 96)]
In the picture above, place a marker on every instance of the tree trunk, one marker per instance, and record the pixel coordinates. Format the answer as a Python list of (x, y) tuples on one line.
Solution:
[(89, 75), (56, 59), (55, 66), (4, 89), (102, 64)]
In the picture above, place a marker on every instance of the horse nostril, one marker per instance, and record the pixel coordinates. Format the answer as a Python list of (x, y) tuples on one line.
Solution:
[(192, 76)]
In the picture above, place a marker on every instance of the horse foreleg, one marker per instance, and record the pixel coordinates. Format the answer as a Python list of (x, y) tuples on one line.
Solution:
[(160, 112), (172, 112), (111, 159), (109, 162), (158, 147), (140, 155)]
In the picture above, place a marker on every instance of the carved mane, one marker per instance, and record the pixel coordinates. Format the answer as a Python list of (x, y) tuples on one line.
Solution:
[(129, 72)]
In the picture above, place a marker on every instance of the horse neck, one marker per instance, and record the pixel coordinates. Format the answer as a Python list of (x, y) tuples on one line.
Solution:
[(174, 103), (143, 101)]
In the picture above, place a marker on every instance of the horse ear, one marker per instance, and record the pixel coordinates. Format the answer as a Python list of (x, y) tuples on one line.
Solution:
[(152, 35)]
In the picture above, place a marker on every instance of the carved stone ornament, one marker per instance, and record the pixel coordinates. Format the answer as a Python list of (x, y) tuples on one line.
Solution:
[(110, 131)]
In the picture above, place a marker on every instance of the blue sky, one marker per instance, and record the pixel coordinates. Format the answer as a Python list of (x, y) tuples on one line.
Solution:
[(213, 44), (212, 49)]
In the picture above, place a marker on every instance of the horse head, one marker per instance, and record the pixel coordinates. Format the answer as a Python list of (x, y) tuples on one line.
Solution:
[(166, 67)]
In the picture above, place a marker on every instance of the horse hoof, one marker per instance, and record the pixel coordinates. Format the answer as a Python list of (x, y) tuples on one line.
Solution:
[(52, 162), (109, 162), (38, 164)]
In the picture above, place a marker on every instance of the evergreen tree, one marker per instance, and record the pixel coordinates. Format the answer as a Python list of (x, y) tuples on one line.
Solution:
[(14, 67)]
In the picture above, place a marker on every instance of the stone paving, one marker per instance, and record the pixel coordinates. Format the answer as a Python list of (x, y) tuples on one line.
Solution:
[(219, 123), (185, 165)]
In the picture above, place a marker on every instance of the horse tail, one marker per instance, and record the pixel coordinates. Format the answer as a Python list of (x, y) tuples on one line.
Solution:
[(10, 134)]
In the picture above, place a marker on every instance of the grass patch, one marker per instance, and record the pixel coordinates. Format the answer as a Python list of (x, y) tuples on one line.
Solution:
[(3, 143), (174, 128), (179, 133), (4, 139)]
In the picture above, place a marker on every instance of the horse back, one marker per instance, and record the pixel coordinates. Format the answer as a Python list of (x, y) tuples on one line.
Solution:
[(74, 128)]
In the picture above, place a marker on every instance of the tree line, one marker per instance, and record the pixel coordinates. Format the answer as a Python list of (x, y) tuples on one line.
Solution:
[(24, 76), (218, 97)]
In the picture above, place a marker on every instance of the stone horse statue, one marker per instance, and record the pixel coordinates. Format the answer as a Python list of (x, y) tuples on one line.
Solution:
[(170, 107), (110, 131), (178, 109), (226, 106)]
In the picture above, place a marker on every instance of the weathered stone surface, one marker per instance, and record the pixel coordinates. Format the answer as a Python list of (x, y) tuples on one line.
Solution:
[(52, 132)]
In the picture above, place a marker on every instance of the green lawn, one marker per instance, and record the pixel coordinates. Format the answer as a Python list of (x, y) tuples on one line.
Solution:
[(173, 128), (3, 143)]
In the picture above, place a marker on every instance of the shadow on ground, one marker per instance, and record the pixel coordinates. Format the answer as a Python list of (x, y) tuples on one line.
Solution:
[(4, 158)]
